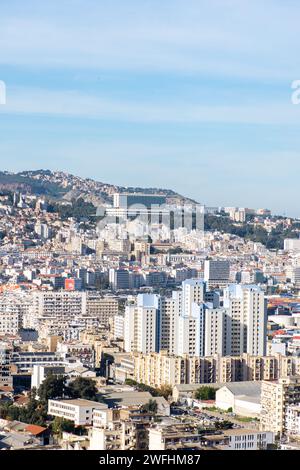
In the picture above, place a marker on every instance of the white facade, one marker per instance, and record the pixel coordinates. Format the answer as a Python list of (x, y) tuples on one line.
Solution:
[(249, 440), (292, 244), (79, 411), (141, 325), (247, 312), (215, 332)]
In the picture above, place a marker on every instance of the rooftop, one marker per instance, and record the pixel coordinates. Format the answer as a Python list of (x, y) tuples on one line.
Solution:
[(82, 402)]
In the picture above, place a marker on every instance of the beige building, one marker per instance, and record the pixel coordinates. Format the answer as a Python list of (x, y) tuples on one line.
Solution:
[(124, 429), (276, 397), (157, 369)]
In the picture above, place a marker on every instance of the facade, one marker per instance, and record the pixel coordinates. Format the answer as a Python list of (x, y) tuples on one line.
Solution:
[(276, 398), (241, 439), (13, 308), (292, 244), (5, 365), (217, 273), (78, 410), (242, 397), (247, 319), (142, 325), (292, 421), (191, 321), (157, 369), (40, 373)]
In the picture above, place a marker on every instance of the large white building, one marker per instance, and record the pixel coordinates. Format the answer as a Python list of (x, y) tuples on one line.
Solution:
[(14, 306), (247, 319), (141, 325), (78, 410), (292, 244), (67, 305), (187, 323), (216, 332)]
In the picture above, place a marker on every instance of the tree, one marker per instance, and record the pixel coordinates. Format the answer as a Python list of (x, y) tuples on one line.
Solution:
[(83, 387), (150, 407), (165, 391), (60, 425), (52, 387), (224, 424), (205, 393)]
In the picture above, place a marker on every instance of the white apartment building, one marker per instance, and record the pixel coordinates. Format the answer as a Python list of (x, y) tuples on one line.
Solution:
[(292, 244), (216, 327), (66, 305), (192, 291), (186, 323), (78, 410), (14, 307), (247, 439), (118, 326), (169, 314), (191, 332), (247, 319), (141, 325)]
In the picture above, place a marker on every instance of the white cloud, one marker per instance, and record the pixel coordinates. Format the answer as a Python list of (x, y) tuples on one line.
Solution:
[(79, 105), (215, 37)]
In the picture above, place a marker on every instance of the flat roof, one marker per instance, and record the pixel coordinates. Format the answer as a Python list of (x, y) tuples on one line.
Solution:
[(81, 402)]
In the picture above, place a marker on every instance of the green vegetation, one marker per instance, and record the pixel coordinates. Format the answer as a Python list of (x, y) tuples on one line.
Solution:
[(83, 388), (25, 183), (150, 407), (165, 391), (222, 425), (53, 387), (60, 425), (244, 419), (205, 393), (249, 231), (78, 209), (34, 413)]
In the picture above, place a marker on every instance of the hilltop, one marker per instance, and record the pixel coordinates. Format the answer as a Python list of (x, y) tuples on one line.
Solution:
[(65, 186)]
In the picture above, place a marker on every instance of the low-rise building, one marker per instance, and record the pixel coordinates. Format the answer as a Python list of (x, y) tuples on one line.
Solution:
[(78, 410)]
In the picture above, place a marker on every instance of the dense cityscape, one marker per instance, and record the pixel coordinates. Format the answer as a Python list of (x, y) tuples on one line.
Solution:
[(149, 233), (121, 332)]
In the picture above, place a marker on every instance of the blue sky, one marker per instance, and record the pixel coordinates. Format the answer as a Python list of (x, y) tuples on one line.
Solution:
[(193, 95)]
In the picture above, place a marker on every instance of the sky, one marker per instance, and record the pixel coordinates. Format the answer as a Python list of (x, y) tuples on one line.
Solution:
[(190, 95)]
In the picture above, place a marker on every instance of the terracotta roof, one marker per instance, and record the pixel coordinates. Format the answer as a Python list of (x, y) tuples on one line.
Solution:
[(34, 429), (4, 388)]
